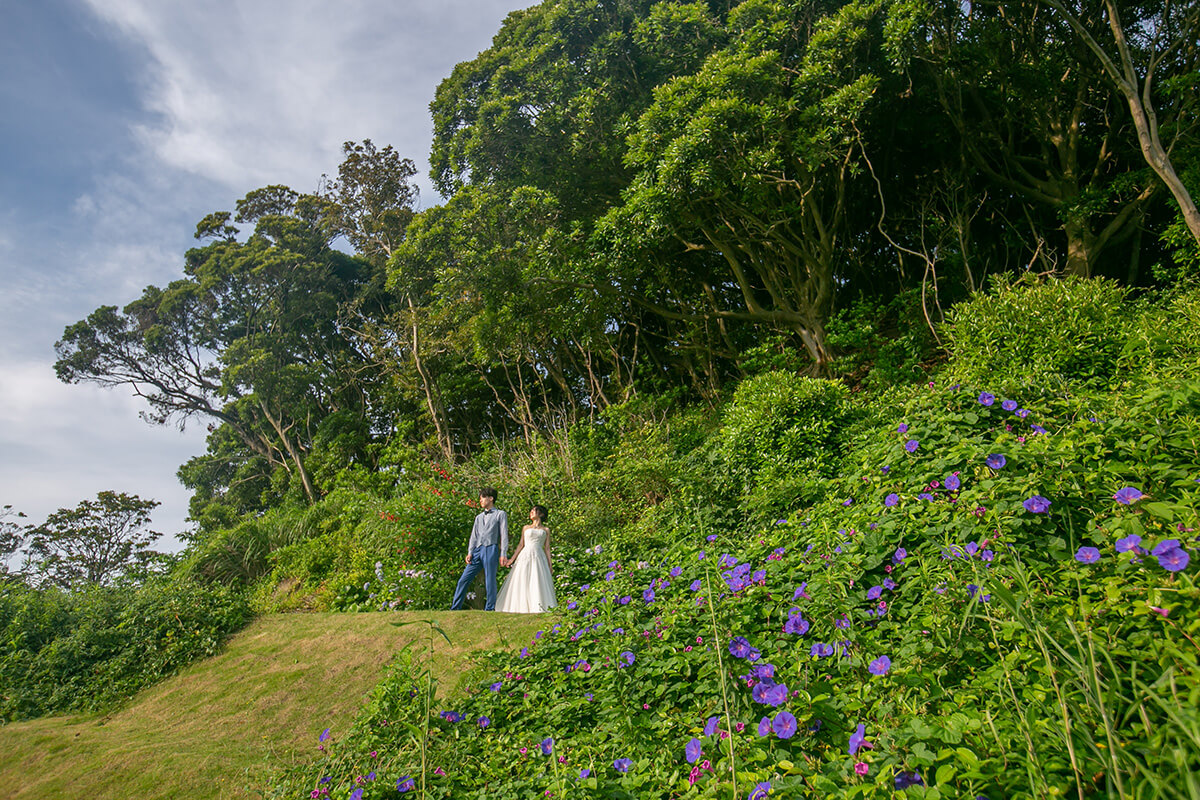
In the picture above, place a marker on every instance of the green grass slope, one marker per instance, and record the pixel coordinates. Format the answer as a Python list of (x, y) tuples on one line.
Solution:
[(223, 725)]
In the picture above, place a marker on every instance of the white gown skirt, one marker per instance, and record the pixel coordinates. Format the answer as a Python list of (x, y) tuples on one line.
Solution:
[(529, 588)]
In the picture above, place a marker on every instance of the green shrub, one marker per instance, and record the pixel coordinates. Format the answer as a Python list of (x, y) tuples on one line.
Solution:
[(1039, 334), (780, 435), (94, 649), (882, 343)]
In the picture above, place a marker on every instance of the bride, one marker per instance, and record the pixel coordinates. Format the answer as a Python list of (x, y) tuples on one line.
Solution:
[(529, 588)]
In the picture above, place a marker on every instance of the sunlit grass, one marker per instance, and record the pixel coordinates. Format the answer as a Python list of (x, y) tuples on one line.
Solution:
[(220, 727)]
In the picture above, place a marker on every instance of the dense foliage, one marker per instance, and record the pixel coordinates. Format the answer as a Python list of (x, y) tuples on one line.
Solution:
[(992, 596), (92, 649)]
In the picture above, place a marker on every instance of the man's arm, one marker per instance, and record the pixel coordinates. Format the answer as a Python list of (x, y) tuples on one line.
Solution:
[(471, 540)]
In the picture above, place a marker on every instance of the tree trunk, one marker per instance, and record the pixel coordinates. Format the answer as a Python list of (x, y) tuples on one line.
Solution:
[(1079, 250), (433, 398), (1140, 105)]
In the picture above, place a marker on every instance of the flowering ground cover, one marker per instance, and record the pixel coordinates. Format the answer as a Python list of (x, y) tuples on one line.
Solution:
[(994, 598)]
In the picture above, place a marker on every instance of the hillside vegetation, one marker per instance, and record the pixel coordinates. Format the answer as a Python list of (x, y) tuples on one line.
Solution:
[(976, 586)]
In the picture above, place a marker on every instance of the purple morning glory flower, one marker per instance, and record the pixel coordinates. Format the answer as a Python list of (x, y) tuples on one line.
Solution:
[(608, 576), (648, 595), (676, 572), (800, 592), (1130, 542), (1174, 560), (889, 584), (760, 791), (712, 537), (1038, 429), (858, 738), (907, 779), (926, 496), (764, 726), (710, 725), (874, 592), (622, 765), (784, 725), (891, 500), (1128, 495), (821, 650), (1037, 504), (1087, 555), (740, 648), (1164, 546), (903, 428), (583, 773), (911, 445), (405, 784), (1022, 412), (995, 461), (627, 658), (1009, 405), (899, 555), (495, 687), (625, 600), (547, 746), (952, 483), (695, 587), (986, 398), (693, 750), (796, 624), (357, 794), (324, 735), (484, 722), (880, 666)]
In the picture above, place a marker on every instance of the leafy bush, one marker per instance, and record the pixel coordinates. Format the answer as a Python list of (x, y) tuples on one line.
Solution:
[(779, 435), (92, 650), (1039, 334)]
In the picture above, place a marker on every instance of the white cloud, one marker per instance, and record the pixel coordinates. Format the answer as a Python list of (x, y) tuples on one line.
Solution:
[(249, 94), (64, 444)]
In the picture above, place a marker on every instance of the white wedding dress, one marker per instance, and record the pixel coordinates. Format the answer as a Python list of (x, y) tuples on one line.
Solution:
[(529, 588)]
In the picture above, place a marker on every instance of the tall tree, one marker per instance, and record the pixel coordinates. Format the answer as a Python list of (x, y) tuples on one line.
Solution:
[(752, 166), (1144, 42), (95, 543), (12, 536), (1036, 117), (249, 338)]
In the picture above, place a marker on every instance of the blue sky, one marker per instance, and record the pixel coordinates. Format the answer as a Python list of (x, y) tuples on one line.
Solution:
[(122, 124)]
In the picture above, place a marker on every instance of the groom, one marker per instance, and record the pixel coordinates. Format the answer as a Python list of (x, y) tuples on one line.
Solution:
[(486, 550)]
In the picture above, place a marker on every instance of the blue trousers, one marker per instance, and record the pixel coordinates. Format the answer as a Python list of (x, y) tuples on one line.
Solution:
[(487, 558)]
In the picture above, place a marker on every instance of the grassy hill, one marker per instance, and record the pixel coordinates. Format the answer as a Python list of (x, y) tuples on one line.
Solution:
[(220, 727)]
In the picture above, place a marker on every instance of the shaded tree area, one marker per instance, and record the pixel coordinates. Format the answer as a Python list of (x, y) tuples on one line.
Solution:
[(657, 198)]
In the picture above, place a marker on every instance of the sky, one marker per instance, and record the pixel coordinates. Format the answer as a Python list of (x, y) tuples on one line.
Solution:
[(125, 122)]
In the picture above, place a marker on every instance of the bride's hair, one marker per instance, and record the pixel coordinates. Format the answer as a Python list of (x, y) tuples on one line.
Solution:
[(542, 513)]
